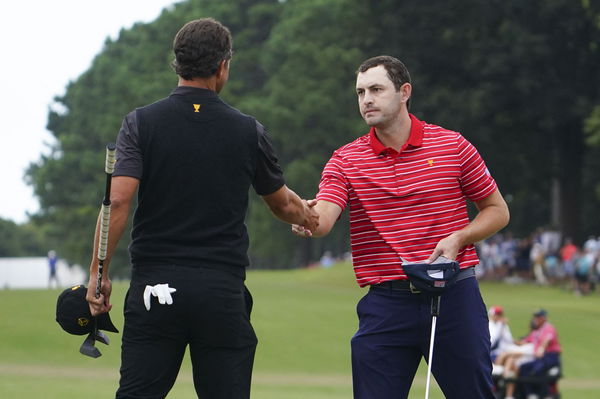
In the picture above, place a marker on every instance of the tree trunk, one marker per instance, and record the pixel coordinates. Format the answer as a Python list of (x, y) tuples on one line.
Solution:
[(570, 179)]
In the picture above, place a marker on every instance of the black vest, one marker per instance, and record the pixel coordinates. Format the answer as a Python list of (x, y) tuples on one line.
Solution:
[(199, 160)]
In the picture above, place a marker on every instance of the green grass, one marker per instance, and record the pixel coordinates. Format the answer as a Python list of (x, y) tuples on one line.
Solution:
[(304, 320)]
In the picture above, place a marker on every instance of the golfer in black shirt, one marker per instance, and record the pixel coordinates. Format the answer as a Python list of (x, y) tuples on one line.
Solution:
[(191, 158)]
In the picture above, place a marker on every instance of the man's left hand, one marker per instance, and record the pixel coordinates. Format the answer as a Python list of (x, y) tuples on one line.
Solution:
[(447, 247)]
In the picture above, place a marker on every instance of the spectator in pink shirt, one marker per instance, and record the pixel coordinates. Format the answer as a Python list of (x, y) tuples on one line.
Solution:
[(546, 349)]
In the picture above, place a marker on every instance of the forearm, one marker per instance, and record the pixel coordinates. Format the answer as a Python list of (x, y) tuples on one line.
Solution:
[(487, 222), (291, 210), (493, 215), (328, 215)]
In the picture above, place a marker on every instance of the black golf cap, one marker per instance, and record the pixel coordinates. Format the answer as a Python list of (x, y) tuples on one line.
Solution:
[(74, 316), (540, 313)]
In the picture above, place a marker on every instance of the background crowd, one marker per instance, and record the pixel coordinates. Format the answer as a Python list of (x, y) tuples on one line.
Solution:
[(544, 257)]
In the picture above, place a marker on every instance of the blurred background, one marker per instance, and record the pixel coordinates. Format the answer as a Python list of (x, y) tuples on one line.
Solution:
[(520, 80)]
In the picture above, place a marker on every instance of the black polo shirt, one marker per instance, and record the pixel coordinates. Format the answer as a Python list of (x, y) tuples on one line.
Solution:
[(196, 158)]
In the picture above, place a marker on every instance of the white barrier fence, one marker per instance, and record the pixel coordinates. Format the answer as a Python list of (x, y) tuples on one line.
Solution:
[(28, 273)]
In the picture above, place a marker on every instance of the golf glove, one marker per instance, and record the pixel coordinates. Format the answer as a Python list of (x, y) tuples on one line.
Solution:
[(162, 291)]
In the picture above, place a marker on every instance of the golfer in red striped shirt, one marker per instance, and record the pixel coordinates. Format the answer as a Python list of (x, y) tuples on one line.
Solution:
[(406, 184)]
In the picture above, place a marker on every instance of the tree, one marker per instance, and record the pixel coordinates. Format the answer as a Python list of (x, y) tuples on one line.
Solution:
[(21, 240), (129, 72), (517, 78)]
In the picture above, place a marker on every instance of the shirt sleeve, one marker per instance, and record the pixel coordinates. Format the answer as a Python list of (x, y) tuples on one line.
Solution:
[(334, 186), (269, 175), (548, 333), (475, 179), (129, 154)]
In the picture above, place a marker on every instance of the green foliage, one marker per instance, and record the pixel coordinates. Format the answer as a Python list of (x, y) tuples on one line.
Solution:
[(518, 79), (592, 128), (21, 240)]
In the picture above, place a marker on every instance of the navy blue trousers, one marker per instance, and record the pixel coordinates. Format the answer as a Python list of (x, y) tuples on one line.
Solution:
[(393, 336), (538, 367)]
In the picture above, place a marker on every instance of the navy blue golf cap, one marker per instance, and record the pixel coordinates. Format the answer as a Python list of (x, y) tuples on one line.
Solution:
[(432, 277), (74, 316), (540, 313)]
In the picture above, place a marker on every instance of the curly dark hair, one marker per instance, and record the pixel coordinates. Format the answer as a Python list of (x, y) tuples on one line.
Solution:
[(199, 48), (396, 70)]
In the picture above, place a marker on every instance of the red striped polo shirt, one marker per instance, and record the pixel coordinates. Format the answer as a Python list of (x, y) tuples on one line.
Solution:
[(403, 203)]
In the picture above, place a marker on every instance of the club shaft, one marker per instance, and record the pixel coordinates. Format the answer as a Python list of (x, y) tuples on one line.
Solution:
[(435, 306), (430, 359)]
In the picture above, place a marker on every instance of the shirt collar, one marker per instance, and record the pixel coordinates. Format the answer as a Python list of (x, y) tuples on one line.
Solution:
[(193, 91), (415, 138)]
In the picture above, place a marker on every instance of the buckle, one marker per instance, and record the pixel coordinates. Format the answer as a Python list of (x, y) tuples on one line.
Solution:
[(414, 289)]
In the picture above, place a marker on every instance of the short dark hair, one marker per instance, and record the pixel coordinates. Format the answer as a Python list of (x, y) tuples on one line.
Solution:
[(396, 70), (199, 48)]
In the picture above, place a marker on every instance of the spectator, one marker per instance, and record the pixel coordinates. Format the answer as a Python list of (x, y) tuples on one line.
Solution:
[(568, 253), (507, 362), (508, 251), (523, 259), (52, 260), (546, 350), (553, 268), (500, 335), (583, 272), (537, 256)]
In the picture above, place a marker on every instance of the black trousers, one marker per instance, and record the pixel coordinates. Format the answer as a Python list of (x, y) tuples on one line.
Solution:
[(210, 313)]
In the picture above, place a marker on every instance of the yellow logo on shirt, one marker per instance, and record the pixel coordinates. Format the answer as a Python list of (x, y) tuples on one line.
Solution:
[(430, 162), (197, 107)]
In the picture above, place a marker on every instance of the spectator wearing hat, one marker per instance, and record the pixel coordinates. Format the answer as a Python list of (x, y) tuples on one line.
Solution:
[(546, 350), (500, 335)]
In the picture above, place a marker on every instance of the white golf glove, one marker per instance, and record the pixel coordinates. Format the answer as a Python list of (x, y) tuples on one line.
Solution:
[(162, 291)]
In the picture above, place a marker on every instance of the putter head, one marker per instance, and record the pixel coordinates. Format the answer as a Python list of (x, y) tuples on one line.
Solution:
[(101, 337), (87, 347)]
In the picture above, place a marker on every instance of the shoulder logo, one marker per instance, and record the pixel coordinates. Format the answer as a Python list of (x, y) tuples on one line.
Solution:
[(430, 162), (197, 107)]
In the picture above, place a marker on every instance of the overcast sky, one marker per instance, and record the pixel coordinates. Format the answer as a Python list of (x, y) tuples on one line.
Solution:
[(44, 45)]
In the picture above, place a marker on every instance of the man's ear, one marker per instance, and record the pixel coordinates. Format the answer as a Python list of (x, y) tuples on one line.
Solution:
[(406, 91), (222, 69)]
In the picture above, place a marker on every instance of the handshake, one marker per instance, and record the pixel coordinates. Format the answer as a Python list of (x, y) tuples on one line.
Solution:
[(311, 220)]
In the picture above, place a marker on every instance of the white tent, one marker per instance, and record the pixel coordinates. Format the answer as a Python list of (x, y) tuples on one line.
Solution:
[(35, 273)]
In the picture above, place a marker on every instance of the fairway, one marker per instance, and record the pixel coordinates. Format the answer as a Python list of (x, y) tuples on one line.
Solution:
[(304, 320)]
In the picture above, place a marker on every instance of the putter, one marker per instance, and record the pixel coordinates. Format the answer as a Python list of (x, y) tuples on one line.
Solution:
[(435, 312), (88, 348)]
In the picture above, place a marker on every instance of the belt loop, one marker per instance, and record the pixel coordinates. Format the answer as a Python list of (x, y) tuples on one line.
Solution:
[(414, 289)]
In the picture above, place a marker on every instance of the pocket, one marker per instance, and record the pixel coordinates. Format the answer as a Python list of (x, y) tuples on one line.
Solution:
[(360, 306), (249, 301), (229, 322)]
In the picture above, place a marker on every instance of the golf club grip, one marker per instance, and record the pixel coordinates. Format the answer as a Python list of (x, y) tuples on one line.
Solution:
[(109, 167), (104, 225)]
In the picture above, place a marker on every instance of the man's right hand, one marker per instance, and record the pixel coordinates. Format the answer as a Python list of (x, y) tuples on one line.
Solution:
[(102, 303), (327, 212), (311, 218)]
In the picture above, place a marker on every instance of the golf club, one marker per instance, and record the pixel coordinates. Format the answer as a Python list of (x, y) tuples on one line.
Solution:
[(435, 311), (88, 348)]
